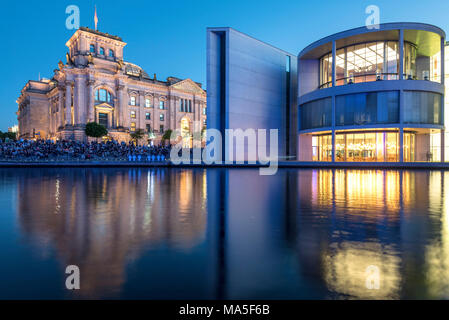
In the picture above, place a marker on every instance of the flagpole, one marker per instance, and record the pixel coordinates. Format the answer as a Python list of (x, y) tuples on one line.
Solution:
[(96, 18)]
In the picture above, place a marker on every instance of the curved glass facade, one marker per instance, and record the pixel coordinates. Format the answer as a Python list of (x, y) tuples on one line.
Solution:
[(378, 60), (316, 114), (422, 107), (385, 121), (367, 108), (362, 63)]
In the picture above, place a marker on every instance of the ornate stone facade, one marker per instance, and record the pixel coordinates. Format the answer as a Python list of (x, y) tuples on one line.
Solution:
[(97, 85)]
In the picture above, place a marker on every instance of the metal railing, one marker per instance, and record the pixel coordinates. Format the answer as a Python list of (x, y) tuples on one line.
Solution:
[(367, 77), (71, 159)]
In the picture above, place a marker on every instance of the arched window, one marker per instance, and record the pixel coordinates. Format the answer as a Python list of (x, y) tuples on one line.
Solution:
[(92, 48), (103, 95), (111, 53), (102, 51)]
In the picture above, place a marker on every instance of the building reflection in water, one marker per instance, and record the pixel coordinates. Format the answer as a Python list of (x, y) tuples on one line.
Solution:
[(375, 218), (234, 234), (102, 219)]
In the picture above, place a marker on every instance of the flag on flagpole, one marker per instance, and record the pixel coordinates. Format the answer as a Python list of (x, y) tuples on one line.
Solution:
[(96, 18)]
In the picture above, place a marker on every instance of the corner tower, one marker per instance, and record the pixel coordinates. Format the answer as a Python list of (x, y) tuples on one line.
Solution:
[(86, 43)]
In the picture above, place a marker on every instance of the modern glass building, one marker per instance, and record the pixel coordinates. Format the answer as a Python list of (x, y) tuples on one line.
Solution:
[(373, 95)]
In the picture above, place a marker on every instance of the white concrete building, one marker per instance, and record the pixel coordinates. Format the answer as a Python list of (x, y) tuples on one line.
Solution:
[(251, 85)]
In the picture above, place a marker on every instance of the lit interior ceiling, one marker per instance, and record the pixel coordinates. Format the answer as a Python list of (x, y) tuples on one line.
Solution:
[(428, 42)]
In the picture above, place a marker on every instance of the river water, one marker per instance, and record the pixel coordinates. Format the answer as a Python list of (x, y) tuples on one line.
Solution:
[(164, 233)]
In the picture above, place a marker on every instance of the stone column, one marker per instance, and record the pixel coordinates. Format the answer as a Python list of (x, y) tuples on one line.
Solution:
[(196, 109), (79, 106), (54, 115), (90, 105), (116, 112), (156, 112), (60, 106), (169, 108), (121, 105), (141, 122), (68, 102), (172, 112), (50, 117), (202, 105)]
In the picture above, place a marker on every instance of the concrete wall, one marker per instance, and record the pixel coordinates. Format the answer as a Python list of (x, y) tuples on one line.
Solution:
[(247, 87), (305, 147), (422, 147), (308, 75)]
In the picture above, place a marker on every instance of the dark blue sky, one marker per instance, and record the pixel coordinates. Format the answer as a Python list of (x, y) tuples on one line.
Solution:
[(169, 37)]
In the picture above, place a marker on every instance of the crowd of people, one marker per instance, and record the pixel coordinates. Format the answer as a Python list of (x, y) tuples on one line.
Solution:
[(75, 150)]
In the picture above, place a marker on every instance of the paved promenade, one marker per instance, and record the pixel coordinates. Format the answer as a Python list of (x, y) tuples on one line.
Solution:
[(281, 164)]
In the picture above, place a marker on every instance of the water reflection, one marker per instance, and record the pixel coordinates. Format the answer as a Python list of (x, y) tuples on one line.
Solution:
[(394, 220), (172, 233), (101, 220)]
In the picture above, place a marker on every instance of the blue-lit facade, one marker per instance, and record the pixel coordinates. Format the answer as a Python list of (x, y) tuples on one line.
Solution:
[(373, 95)]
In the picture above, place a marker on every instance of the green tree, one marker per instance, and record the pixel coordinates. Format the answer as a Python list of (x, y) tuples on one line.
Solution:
[(95, 130), (167, 135), (203, 132), (9, 135), (136, 135)]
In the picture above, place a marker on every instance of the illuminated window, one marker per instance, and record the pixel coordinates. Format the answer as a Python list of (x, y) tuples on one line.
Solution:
[(379, 60), (361, 63), (361, 147), (132, 101), (161, 117), (204, 111), (162, 104), (147, 116), (133, 114), (147, 103), (133, 126)]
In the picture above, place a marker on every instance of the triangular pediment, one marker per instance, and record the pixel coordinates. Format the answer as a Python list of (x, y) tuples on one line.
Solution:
[(189, 86)]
